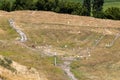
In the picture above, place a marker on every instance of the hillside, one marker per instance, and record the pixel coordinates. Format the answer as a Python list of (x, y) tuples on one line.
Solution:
[(84, 46)]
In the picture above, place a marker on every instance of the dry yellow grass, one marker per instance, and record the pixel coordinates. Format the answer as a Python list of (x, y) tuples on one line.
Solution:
[(70, 35), (51, 17), (2, 31)]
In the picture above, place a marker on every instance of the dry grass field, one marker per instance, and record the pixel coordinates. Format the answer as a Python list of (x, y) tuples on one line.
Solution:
[(67, 35)]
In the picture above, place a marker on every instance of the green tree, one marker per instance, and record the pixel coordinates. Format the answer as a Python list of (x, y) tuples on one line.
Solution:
[(6, 5), (77, 9), (49, 5), (56, 7), (97, 8), (40, 4), (86, 8), (56, 2), (24, 5)]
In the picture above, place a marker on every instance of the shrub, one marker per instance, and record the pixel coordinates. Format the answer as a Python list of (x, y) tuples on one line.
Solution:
[(98, 14), (6, 64), (113, 13)]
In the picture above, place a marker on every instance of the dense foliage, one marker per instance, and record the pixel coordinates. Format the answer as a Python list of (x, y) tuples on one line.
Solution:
[(113, 13), (85, 8), (97, 8)]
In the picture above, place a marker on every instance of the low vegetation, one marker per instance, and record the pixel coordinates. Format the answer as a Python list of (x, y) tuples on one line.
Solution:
[(113, 13), (6, 31), (6, 63)]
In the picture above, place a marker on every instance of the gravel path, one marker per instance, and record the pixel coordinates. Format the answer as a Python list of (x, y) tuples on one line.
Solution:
[(22, 34)]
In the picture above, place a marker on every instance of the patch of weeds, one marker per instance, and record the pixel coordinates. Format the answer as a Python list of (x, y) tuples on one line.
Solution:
[(79, 74), (6, 64), (52, 59), (75, 65), (6, 53), (5, 26)]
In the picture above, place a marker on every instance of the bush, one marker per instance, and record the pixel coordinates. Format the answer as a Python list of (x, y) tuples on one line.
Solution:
[(112, 13), (98, 14), (40, 4), (6, 63), (6, 5), (77, 9), (24, 5), (70, 7)]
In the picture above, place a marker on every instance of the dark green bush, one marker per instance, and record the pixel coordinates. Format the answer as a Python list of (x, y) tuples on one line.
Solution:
[(112, 13), (98, 14)]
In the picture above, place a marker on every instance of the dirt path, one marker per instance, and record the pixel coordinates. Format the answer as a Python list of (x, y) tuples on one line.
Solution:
[(22, 34), (66, 67)]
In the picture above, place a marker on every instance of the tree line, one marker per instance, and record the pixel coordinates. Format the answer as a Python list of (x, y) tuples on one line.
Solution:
[(87, 8)]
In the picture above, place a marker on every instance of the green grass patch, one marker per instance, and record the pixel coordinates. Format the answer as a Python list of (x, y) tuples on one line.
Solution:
[(6, 53), (79, 74), (10, 33)]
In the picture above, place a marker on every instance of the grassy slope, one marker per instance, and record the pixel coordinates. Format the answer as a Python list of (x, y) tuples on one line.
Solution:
[(14, 50), (47, 28), (58, 35), (102, 65), (6, 30)]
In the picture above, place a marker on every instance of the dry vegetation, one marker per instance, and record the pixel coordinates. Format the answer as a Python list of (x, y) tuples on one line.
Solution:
[(67, 35)]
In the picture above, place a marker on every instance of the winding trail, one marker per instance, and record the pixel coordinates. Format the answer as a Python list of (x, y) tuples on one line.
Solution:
[(66, 67), (22, 34)]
